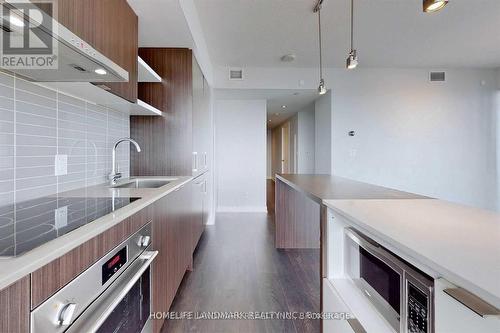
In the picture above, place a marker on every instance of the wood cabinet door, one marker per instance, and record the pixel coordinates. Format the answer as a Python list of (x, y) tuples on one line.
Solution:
[(15, 307), (198, 139), (197, 212), (116, 36), (171, 238)]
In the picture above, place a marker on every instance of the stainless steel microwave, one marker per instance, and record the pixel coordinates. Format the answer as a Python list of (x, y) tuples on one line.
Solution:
[(401, 293)]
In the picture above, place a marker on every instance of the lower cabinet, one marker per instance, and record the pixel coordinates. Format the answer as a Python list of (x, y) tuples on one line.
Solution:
[(176, 231), (198, 212), (15, 307)]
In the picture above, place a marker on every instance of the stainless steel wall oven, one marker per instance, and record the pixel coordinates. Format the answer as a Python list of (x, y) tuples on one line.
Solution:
[(113, 295)]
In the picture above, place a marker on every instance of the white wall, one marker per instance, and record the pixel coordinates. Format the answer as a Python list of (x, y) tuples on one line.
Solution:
[(323, 134), (240, 150), (436, 139), (306, 138)]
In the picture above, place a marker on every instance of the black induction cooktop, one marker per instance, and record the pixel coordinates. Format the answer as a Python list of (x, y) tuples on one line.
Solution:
[(27, 225)]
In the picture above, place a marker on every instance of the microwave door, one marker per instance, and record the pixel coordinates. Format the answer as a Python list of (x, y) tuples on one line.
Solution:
[(376, 276)]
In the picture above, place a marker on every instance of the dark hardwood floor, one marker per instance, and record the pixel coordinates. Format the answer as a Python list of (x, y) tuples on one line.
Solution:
[(238, 269)]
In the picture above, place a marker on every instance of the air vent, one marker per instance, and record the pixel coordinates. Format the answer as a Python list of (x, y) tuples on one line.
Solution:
[(438, 76), (78, 68), (235, 74)]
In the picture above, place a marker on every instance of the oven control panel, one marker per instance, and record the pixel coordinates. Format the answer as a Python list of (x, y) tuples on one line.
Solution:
[(417, 310), (110, 267)]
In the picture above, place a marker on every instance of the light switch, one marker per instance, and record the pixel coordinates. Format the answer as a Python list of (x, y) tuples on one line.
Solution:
[(61, 165), (352, 153), (61, 217)]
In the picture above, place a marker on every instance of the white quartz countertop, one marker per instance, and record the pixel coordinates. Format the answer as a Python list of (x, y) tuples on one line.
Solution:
[(12, 269), (459, 243)]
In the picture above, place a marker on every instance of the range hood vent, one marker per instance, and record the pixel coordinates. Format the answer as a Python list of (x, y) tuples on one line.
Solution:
[(77, 60)]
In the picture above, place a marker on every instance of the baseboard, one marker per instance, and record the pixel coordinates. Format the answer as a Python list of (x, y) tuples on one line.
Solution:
[(242, 209)]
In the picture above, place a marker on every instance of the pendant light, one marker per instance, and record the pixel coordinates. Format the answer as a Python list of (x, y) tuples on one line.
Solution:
[(431, 6), (321, 87), (352, 59)]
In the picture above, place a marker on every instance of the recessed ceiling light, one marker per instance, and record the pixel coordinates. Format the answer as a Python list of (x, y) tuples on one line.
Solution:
[(288, 57), (283, 106), (101, 71), (16, 20)]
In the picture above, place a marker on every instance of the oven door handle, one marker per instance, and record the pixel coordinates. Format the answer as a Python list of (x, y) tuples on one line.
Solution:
[(97, 313)]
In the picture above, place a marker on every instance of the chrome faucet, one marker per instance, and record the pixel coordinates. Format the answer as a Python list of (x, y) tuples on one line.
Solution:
[(115, 175)]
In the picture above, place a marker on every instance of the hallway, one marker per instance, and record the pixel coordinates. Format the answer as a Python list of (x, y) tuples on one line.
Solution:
[(237, 269)]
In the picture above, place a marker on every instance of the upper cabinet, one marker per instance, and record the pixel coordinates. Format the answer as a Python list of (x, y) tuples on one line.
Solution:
[(201, 120), (111, 27)]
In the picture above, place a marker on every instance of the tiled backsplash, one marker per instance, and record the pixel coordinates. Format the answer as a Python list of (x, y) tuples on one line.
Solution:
[(37, 123)]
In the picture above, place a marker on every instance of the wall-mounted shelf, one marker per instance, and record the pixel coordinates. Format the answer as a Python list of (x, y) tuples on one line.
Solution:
[(91, 92), (143, 109), (146, 73)]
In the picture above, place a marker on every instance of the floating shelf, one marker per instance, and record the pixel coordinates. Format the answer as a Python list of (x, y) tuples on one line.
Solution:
[(146, 73), (143, 109), (91, 92)]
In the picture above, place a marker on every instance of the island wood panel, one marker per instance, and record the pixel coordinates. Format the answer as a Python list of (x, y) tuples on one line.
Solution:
[(50, 278), (171, 238), (166, 140), (297, 219), (15, 307)]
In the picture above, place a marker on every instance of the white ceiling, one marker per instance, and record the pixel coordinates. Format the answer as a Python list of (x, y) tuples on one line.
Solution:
[(294, 100), (161, 24), (388, 33)]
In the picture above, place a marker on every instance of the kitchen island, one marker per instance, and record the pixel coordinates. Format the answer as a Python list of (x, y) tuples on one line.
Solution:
[(298, 201), (456, 246)]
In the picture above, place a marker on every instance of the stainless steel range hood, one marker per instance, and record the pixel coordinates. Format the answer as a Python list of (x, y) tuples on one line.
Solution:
[(77, 60)]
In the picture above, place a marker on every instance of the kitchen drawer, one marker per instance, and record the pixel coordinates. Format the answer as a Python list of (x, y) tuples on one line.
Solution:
[(451, 316), (332, 303)]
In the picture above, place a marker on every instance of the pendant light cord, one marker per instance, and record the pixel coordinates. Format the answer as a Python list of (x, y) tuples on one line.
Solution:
[(352, 25), (320, 46)]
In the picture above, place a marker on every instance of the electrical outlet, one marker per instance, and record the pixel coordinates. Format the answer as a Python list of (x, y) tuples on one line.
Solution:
[(61, 165), (61, 217)]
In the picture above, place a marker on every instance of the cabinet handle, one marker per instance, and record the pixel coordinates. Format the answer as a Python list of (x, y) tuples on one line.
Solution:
[(356, 325), (195, 161), (473, 302)]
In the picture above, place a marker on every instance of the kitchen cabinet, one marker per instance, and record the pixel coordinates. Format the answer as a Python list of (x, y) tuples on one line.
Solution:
[(199, 209), (201, 120), (172, 239), (166, 140), (111, 27)]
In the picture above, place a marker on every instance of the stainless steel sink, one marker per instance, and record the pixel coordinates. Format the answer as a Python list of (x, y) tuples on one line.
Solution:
[(143, 183)]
